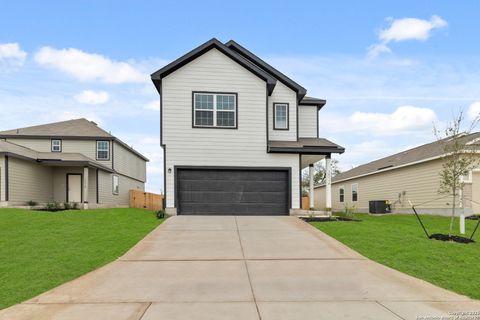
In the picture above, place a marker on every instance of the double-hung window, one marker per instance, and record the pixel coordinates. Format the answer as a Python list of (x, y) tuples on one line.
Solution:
[(341, 192), (103, 150), (115, 185), (56, 145), (214, 110), (355, 192), (280, 116)]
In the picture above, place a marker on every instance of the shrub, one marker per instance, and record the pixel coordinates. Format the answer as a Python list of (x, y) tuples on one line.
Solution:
[(74, 206), (349, 211), (160, 214), (53, 206), (31, 203), (67, 206)]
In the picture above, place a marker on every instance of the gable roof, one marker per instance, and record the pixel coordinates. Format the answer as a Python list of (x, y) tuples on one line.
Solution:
[(73, 129), (424, 152), (311, 101), (200, 50), (301, 91)]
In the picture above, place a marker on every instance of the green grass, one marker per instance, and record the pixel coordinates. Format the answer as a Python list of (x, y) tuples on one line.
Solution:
[(398, 241), (41, 250)]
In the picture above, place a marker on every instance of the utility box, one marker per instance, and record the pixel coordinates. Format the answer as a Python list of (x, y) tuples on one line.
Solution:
[(379, 207)]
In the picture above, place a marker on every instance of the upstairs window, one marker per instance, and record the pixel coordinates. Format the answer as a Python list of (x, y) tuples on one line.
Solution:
[(341, 192), (103, 150), (355, 192), (215, 110), (56, 145), (280, 116)]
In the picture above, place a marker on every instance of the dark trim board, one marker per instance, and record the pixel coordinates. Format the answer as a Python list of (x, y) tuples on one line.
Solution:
[(288, 170), (96, 186), (219, 93), (81, 185)]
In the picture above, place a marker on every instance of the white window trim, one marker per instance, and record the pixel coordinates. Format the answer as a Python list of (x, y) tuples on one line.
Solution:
[(115, 192), (108, 150), (275, 105), (341, 187), (214, 110), (354, 184), (59, 145)]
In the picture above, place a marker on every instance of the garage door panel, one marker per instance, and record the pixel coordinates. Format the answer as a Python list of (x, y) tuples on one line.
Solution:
[(233, 186), (232, 197), (232, 191)]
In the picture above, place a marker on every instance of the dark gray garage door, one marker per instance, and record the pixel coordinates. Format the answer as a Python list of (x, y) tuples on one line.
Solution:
[(232, 192)]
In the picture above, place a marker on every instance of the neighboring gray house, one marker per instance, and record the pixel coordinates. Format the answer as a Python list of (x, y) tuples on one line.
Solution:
[(71, 161), (235, 133), (412, 175)]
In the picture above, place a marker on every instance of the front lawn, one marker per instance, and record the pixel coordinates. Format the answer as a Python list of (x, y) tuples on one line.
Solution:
[(41, 250), (398, 241)]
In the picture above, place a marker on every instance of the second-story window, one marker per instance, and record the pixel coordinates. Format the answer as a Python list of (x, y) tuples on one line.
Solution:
[(280, 116), (103, 150), (56, 145), (215, 110)]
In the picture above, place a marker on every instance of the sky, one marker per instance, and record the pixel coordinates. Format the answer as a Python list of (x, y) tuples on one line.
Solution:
[(388, 70)]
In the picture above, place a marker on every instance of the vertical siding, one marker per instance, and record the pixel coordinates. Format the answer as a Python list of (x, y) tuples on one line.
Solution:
[(29, 181), (127, 163), (307, 121), (420, 182), (280, 94), (85, 147), (245, 146)]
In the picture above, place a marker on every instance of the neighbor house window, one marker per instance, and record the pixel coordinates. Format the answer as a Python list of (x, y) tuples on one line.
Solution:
[(215, 110), (355, 192), (103, 150), (115, 185), (341, 192), (280, 116), (56, 145)]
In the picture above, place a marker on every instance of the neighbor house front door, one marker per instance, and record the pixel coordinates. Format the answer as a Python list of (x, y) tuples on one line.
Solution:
[(74, 188)]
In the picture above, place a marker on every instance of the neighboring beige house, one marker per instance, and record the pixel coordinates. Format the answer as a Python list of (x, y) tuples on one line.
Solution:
[(71, 161), (409, 175), (236, 133)]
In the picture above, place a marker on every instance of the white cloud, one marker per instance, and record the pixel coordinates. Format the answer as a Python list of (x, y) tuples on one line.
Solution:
[(11, 52), (92, 97), (89, 66), (153, 105), (474, 110), (405, 29), (404, 120)]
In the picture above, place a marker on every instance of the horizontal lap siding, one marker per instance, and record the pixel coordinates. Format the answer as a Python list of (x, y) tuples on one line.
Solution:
[(127, 163), (421, 183), (307, 121), (29, 181), (245, 146), (105, 187), (284, 94), (86, 147), (2, 179), (476, 192)]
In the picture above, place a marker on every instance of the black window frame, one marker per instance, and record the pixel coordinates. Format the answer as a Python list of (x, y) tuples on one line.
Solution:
[(275, 115), (96, 150), (51, 145), (214, 110)]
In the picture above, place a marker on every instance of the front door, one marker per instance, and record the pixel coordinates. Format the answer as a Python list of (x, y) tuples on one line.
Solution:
[(74, 188)]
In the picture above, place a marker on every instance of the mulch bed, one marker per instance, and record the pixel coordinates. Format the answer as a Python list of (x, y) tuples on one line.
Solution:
[(474, 217), (445, 237)]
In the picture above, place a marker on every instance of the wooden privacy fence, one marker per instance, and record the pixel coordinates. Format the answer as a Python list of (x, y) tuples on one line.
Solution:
[(146, 200)]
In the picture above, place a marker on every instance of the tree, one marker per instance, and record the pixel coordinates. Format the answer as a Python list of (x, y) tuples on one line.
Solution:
[(319, 173), (459, 159)]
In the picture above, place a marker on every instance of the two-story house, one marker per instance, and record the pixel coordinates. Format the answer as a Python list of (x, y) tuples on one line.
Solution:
[(70, 161), (236, 133)]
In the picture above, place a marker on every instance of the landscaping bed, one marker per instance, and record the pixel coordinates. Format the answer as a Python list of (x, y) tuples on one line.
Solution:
[(399, 242), (41, 250)]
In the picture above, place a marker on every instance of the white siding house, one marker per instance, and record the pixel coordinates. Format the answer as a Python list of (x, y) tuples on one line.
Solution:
[(221, 110)]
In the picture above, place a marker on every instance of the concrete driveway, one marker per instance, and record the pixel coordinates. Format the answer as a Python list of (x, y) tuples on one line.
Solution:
[(269, 268)]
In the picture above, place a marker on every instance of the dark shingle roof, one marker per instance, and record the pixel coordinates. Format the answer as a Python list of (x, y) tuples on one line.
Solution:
[(430, 150), (306, 146)]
